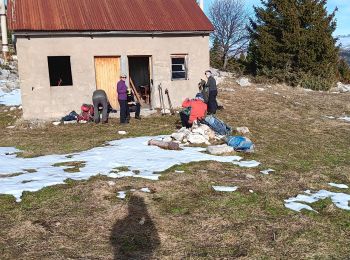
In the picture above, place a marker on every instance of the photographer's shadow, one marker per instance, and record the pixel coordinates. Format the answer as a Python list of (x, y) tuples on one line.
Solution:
[(135, 236)]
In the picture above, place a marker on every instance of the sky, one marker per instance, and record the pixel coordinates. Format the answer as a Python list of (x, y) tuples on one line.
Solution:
[(342, 16)]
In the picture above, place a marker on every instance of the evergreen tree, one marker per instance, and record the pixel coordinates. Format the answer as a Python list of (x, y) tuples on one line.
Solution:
[(291, 40), (216, 55)]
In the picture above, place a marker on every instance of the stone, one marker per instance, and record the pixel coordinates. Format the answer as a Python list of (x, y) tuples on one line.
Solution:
[(243, 82), (56, 123), (195, 138), (167, 139), (12, 108), (200, 131), (4, 74), (122, 132), (243, 130), (342, 88), (10, 127), (179, 136), (219, 149), (227, 89), (249, 176)]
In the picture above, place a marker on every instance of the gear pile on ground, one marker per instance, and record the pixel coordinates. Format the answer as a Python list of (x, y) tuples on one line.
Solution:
[(217, 143)]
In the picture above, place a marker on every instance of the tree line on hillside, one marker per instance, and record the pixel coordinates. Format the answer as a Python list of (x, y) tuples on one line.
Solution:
[(287, 41)]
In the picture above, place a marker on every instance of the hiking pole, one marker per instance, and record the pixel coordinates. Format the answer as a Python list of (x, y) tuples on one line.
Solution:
[(169, 101)]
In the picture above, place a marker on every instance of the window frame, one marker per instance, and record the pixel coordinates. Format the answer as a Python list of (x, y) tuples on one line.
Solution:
[(70, 70), (182, 56)]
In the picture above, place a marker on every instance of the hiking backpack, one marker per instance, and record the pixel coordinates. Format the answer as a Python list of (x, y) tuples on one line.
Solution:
[(87, 113)]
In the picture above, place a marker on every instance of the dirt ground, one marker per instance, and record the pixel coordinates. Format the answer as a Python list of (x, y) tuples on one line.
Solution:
[(183, 218)]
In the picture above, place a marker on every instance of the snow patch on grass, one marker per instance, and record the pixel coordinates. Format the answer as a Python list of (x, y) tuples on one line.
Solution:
[(340, 200), (268, 171), (132, 154), (340, 186), (225, 188), (247, 164)]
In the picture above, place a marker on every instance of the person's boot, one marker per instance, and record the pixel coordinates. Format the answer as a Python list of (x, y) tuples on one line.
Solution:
[(138, 117)]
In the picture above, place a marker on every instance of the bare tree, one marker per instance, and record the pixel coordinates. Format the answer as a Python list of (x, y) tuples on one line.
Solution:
[(230, 20)]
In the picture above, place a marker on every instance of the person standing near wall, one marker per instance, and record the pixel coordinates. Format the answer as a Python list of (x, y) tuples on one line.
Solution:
[(213, 92), (123, 99)]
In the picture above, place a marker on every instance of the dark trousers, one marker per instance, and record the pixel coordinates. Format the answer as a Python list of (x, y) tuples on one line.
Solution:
[(135, 108), (212, 103), (184, 120), (124, 110), (100, 102)]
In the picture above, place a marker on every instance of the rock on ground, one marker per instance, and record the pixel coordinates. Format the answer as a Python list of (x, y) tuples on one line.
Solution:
[(342, 88), (219, 149), (243, 82), (195, 138), (243, 130)]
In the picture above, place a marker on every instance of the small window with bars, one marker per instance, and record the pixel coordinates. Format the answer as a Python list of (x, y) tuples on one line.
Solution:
[(179, 67)]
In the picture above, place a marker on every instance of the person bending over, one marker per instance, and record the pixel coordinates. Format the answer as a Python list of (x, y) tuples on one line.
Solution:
[(100, 102), (195, 109)]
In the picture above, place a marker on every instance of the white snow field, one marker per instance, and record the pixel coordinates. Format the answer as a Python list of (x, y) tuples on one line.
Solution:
[(16, 174), (340, 200), (12, 98)]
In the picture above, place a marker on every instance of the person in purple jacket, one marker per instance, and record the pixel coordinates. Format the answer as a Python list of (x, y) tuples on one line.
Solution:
[(123, 99)]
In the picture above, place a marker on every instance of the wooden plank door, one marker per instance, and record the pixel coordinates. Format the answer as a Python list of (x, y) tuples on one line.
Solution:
[(107, 71)]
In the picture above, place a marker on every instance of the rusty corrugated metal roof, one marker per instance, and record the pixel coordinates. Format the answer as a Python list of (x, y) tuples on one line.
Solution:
[(106, 15)]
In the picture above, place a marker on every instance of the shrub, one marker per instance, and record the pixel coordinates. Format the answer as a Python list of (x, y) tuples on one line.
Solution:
[(313, 82), (344, 71)]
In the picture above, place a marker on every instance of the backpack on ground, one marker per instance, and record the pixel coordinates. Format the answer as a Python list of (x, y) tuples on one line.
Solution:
[(217, 125), (72, 116), (87, 113)]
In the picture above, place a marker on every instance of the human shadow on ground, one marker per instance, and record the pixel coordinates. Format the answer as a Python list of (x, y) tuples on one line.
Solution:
[(135, 236)]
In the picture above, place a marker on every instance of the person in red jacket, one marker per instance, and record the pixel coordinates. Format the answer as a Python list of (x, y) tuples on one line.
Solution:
[(195, 109)]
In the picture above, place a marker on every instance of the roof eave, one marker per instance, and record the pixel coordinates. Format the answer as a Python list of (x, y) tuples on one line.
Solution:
[(28, 33)]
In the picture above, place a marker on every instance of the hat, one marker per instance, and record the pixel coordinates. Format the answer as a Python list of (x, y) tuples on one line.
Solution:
[(200, 96), (123, 75), (208, 71)]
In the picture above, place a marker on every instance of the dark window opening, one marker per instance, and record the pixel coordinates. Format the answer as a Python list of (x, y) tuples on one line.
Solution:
[(178, 68), (60, 71)]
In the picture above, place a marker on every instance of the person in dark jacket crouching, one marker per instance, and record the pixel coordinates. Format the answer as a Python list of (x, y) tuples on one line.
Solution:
[(122, 90), (133, 106), (100, 101), (213, 92)]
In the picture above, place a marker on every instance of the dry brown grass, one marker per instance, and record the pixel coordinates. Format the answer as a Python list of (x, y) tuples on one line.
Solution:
[(184, 217)]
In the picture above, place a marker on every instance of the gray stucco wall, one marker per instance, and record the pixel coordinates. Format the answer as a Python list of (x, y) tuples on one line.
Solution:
[(40, 101)]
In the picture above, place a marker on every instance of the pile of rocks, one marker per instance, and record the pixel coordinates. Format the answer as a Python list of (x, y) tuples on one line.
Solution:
[(221, 76), (9, 79), (198, 134)]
